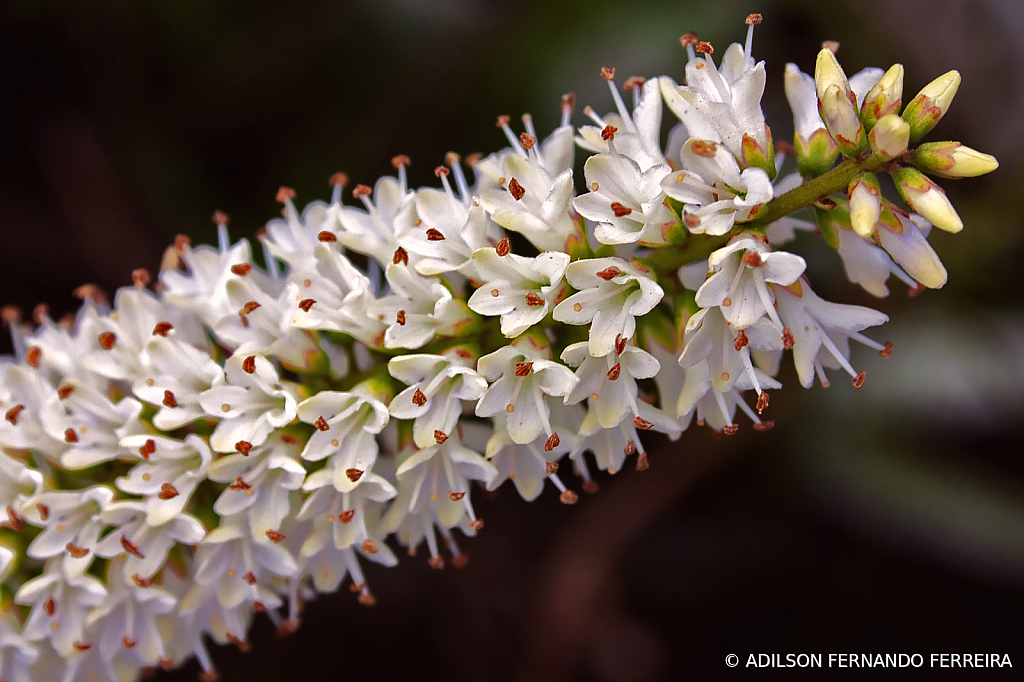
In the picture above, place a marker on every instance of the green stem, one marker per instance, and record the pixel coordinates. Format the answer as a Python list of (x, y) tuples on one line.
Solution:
[(698, 247), (836, 180)]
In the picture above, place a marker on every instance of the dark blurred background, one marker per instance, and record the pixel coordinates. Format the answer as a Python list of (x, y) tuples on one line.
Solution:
[(889, 519)]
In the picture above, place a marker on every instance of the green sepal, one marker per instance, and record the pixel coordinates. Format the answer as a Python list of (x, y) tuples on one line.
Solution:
[(817, 155)]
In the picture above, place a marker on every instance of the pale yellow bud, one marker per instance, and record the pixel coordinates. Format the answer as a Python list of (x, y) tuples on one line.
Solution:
[(890, 136)]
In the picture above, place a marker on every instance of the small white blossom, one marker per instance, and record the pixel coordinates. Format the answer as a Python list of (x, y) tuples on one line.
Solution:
[(528, 465), (609, 382), (180, 374), (250, 406), (168, 474), (529, 190), (260, 483), (743, 271), (715, 193), (389, 214), (437, 385), (612, 294), (71, 526), (417, 309), (59, 606), (146, 546), (522, 376), (821, 332), (521, 290), (90, 424), (346, 426)]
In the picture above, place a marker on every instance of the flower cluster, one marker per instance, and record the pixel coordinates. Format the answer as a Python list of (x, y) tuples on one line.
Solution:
[(237, 437)]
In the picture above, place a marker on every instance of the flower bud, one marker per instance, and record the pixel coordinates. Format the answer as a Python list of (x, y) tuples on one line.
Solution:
[(925, 110), (884, 98), (755, 156), (953, 160), (838, 105), (927, 198), (890, 136), (865, 204)]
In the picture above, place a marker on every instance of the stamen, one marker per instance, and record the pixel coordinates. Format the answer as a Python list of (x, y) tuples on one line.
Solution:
[(886, 351), (619, 210), (740, 341), (12, 414), (534, 300), (326, 236), (440, 436), (688, 41), (243, 446), (569, 497), (820, 371), (503, 248), (140, 278), (705, 148), (641, 462), (705, 48), (401, 256), (830, 45), (762, 402), (613, 373), (76, 551), (167, 492), (354, 474), (169, 400), (418, 398), (752, 21), (730, 429), (641, 423), (338, 182), (147, 448), (32, 356), (321, 424), (107, 340), (515, 189), (275, 536), (249, 364), (306, 304), (400, 317), (434, 235), (361, 191), (523, 368), (550, 444), (858, 380), (568, 105)]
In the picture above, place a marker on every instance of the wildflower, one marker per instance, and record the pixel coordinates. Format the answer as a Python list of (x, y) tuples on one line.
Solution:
[(613, 293), (521, 290)]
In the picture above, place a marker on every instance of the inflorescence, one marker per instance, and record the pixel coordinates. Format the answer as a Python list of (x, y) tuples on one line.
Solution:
[(239, 438)]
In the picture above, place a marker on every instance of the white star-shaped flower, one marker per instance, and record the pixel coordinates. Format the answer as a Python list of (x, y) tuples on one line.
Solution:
[(522, 376), (521, 290), (612, 294), (743, 271), (437, 385)]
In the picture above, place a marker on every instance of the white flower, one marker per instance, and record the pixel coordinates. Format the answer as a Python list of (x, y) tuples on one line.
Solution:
[(346, 426), (250, 406), (59, 606), (145, 545), (742, 272), (708, 336), (120, 349), (529, 189), (231, 561), (262, 324), (202, 290), (180, 374), (418, 308), (610, 381), (437, 386), (71, 526), (168, 474), (294, 239), (345, 519), (377, 230), (521, 290), (527, 465), (437, 482), (90, 424), (24, 393), (333, 295), (718, 408), (723, 105), (715, 192), (124, 625), (522, 376), (628, 204), (261, 484), (821, 332), (450, 230), (17, 654), (613, 293), (636, 135), (612, 446), (18, 482)]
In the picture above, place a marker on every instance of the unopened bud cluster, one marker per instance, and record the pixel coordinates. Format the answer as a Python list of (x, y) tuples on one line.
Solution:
[(241, 437)]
